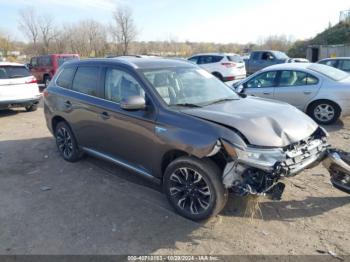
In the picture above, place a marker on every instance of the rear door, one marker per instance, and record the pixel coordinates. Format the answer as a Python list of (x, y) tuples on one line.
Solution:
[(79, 103), (296, 87), (262, 85)]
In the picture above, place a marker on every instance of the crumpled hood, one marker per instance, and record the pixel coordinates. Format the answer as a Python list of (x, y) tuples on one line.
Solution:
[(263, 122)]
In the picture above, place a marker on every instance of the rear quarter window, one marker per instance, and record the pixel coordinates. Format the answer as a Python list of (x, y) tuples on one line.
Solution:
[(86, 80), (66, 77), (7, 72), (235, 58)]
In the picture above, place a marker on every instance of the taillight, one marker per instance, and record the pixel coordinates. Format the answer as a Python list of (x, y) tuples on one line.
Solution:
[(31, 81), (230, 78), (229, 65)]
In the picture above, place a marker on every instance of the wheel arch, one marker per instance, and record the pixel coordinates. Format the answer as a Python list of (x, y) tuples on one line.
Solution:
[(57, 119), (321, 100)]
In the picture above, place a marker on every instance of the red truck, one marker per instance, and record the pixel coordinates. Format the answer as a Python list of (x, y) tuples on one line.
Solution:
[(45, 66)]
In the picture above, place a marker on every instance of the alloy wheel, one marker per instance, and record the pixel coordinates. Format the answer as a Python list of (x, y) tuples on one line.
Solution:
[(324, 112), (190, 190), (64, 142)]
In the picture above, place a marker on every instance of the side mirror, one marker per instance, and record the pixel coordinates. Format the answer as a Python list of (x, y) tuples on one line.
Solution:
[(133, 103), (29, 66), (239, 88)]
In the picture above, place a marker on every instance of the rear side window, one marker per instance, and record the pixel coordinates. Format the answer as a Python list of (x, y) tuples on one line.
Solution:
[(7, 72), (86, 80), (44, 61), (345, 65), (296, 78), (255, 56), (208, 59), (235, 58), (66, 77)]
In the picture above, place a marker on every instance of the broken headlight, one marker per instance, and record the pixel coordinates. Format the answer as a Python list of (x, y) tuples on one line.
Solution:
[(260, 158)]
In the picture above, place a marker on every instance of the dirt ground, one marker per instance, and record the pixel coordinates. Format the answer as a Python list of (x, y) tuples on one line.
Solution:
[(49, 206)]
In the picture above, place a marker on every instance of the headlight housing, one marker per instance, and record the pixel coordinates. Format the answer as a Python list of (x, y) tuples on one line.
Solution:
[(260, 158)]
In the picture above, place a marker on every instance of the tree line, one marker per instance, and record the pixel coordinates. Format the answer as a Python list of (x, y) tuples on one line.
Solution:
[(90, 38)]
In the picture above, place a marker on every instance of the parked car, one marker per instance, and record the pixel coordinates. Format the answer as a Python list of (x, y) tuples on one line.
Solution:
[(298, 60), (18, 88), (44, 67), (321, 91), (342, 63), (261, 59), (176, 124), (226, 67)]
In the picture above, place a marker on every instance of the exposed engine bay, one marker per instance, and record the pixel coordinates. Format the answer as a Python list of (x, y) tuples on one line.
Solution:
[(255, 171)]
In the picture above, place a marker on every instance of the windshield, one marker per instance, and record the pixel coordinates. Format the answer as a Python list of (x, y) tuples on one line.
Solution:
[(63, 59), (329, 71), (280, 55), (188, 86), (13, 72)]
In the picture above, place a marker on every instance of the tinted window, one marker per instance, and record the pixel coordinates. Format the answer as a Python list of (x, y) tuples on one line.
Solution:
[(66, 77), (86, 79), (255, 56), (119, 85), (267, 56), (266, 79), (332, 63), (345, 65), (194, 59), (209, 59), (13, 72), (44, 61), (34, 61), (235, 58)]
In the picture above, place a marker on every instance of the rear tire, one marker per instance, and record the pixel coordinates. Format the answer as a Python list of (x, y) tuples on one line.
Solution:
[(324, 112), (194, 188), (66, 143), (31, 108), (218, 76)]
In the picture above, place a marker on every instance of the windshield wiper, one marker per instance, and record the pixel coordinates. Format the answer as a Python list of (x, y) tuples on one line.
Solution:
[(222, 100), (186, 105)]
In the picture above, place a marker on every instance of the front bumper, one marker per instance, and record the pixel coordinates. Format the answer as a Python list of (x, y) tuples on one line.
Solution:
[(19, 102)]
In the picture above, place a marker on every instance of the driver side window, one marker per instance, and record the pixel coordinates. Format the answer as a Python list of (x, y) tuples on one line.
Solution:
[(119, 85), (266, 79)]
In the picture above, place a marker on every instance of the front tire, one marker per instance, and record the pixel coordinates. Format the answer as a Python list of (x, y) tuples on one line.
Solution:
[(66, 143), (324, 112), (194, 188)]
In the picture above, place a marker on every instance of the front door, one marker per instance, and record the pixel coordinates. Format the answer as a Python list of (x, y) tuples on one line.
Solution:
[(126, 135), (262, 85)]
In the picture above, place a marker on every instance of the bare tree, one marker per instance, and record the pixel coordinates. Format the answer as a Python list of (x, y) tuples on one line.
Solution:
[(28, 24), (124, 29), (47, 31)]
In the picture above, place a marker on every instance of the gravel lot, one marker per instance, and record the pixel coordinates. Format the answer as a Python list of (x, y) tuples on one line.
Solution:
[(49, 206)]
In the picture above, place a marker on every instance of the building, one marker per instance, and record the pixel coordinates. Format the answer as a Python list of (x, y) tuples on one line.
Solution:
[(318, 52)]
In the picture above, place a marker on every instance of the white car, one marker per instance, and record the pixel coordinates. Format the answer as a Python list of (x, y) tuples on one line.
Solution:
[(225, 66), (321, 91), (18, 88)]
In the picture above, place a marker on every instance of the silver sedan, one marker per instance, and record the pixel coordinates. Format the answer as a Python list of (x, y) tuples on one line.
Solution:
[(321, 91)]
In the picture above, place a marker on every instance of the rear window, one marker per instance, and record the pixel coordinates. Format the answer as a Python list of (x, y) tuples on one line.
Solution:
[(328, 71), (86, 79), (235, 58), (62, 59), (66, 77), (7, 72)]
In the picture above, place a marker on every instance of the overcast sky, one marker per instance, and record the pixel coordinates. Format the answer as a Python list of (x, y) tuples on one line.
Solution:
[(220, 21)]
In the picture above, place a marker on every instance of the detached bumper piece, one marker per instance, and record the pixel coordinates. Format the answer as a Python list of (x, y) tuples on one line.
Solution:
[(338, 165)]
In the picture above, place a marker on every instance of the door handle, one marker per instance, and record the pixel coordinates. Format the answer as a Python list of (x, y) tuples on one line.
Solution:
[(68, 104), (105, 116), (307, 92), (266, 93)]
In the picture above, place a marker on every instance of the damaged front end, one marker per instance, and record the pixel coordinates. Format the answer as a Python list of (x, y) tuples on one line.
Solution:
[(257, 171)]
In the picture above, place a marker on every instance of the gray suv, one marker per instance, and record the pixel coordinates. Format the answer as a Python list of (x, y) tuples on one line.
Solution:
[(176, 124)]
